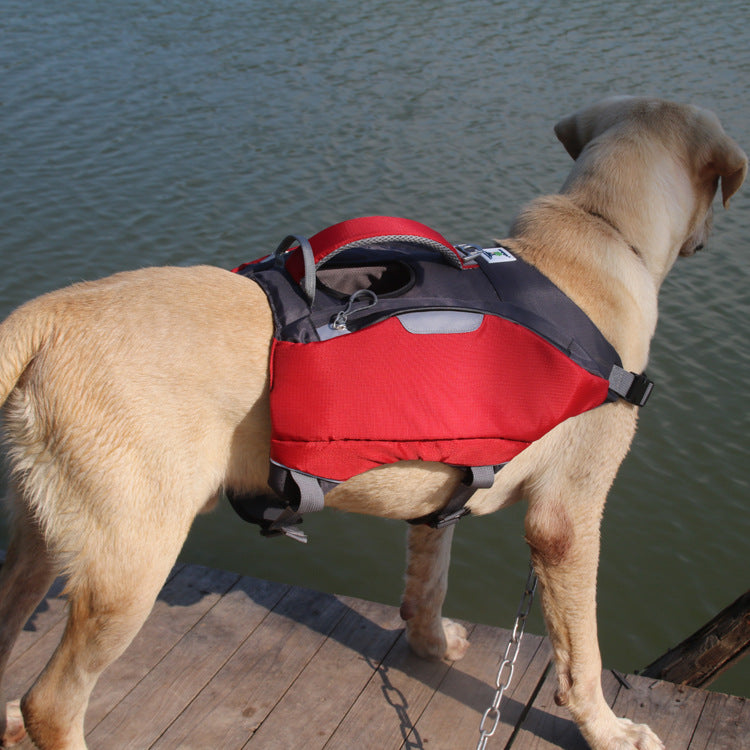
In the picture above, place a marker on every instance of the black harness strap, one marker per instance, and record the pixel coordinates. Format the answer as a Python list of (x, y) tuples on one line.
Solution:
[(270, 512), (296, 494), (477, 477)]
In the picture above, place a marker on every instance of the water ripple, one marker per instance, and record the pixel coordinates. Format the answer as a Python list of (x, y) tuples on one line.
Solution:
[(150, 132)]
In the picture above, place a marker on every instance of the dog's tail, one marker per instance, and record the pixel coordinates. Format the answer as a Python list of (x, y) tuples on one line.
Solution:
[(22, 335)]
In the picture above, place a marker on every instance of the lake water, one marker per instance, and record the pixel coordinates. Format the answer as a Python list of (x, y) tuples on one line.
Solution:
[(152, 132)]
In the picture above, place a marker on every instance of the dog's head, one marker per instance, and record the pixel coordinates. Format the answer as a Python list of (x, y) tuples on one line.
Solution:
[(653, 167)]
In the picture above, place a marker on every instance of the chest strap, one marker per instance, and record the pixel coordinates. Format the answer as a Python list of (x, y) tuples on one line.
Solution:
[(298, 493), (477, 477)]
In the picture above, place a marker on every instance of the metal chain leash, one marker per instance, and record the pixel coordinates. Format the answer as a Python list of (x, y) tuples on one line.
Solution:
[(505, 673)]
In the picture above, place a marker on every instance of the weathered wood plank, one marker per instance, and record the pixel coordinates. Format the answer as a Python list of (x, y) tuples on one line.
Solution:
[(183, 601), (392, 702), (548, 725), (51, 611), (324, 691), (26, 668), (158, 699), (708, 652), (672, 711), (259, 665), (234, 702), (724, 724), (454, 713)]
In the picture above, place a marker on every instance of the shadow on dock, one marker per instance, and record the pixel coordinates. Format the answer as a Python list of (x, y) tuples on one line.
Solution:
[(237, 662)]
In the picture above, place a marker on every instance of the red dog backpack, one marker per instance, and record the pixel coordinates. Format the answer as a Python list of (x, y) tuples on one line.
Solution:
[(390, 344)]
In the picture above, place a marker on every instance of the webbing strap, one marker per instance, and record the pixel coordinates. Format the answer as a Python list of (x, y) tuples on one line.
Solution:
[(310, 492), (298, 493), (303, 492), (477, 477), (332, 240), (367, 230), (308, 260), (634, 388)]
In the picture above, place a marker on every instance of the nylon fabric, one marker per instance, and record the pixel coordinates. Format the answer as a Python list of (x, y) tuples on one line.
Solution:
[(441, 359), (329, 241), (339, 460), (391, 381)]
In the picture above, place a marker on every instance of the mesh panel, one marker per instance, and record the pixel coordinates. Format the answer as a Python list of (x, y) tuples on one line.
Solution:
[(387, 279)]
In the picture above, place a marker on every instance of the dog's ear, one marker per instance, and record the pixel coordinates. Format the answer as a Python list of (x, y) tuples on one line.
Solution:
[(576, 130), (567, 133), (728, 162), (714, 150)]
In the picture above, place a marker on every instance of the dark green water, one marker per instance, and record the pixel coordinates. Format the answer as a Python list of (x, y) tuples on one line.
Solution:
[(147, 133)]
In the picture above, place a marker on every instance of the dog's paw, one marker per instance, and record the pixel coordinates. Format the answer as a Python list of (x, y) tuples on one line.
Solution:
[(442, 639), (630, 736), (456, 638), (14, 728)]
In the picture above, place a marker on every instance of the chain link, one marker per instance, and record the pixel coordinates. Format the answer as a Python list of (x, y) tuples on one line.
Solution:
[(491, 717)]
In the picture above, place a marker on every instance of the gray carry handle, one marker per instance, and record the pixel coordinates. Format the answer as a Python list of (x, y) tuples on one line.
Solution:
[(308, 283), (308, 254)]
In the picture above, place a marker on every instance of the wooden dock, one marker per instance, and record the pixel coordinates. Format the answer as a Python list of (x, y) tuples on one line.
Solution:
[(229, 662)]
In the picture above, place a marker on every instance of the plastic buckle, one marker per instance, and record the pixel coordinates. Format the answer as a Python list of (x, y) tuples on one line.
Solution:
[(278, 521), (440, 522), (273, 519), (295, 534), (640, 390)]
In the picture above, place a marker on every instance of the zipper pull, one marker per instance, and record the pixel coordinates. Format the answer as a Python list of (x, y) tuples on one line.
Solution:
[(339, 322)]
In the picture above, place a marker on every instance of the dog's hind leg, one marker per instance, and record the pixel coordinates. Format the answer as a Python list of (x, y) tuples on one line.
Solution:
[(24, 579), (112, 586), (429, 634)]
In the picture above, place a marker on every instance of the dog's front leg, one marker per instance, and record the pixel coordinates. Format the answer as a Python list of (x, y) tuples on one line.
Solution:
[(429, 634), (564, 541)]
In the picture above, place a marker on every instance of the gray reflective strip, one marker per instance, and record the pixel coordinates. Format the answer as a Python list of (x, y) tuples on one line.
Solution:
[(620, 381), (329, 332), (441, 321)]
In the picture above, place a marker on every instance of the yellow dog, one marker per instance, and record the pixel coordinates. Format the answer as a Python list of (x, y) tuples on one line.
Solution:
[(129, 406)]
